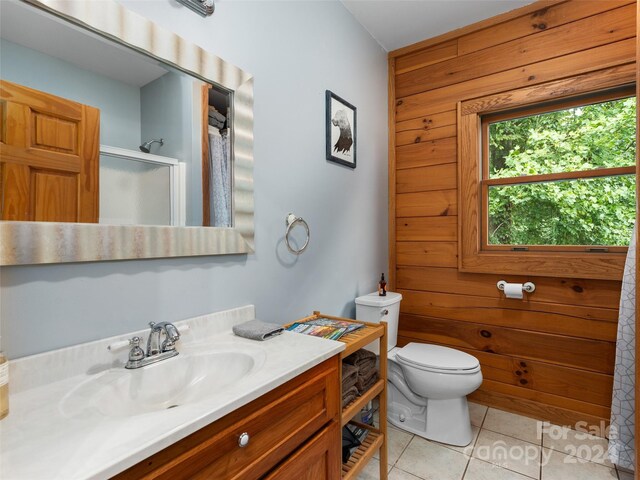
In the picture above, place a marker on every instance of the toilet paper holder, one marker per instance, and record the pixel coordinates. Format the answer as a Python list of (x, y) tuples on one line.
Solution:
[(528, 287)]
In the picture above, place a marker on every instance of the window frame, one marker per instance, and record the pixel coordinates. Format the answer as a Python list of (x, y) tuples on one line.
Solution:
[(486, 182), (560, 261)]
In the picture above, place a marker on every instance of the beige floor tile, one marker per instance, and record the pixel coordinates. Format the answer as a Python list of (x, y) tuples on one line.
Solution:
[(625, 475), (578, 444), (397, 474), (559, 466), (398, 441), (517, 426), (477, 413), (479, 470), (467, 450), (371, 470), (508, 452), (431, 461)]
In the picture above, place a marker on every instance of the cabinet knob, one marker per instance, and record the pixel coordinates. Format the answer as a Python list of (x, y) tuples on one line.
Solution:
[(385, 312), (243, 440)]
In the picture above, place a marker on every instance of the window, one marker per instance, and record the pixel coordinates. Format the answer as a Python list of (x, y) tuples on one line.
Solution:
[(561, 175), (546, 178)]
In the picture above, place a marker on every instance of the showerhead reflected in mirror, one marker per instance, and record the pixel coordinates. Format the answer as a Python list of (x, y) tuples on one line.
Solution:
[(146, 146)]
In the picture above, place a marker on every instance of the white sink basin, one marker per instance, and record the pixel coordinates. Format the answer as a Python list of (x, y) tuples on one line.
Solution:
[(190, 377)]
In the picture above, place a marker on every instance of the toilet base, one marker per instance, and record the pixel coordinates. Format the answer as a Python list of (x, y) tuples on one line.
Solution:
[(445, 421)]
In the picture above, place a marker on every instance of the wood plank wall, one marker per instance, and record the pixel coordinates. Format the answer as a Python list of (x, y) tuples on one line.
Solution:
[(550, 356)]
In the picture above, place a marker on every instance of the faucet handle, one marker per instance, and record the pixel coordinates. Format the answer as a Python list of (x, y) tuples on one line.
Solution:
[(136, 354)]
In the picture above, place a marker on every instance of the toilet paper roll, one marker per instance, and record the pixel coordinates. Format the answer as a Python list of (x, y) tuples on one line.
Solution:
[(513, 290)]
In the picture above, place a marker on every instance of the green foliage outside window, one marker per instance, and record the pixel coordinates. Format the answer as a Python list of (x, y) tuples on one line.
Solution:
[(597, 211)]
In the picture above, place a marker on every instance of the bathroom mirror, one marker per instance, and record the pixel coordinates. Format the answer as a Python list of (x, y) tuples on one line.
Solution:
[(179, 111)]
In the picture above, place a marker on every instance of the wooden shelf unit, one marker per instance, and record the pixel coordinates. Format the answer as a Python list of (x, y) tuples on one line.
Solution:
[(377, 437)]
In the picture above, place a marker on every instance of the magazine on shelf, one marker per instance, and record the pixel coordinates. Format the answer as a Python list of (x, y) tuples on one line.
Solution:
[(325, 328)]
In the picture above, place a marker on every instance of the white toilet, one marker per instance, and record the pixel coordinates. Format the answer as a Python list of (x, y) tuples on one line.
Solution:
[(427, 384)]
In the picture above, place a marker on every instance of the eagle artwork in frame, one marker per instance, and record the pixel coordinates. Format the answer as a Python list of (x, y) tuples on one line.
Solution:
[(341, 130)]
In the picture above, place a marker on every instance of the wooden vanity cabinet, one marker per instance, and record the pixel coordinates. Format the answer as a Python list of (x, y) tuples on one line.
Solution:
[(294, 432)]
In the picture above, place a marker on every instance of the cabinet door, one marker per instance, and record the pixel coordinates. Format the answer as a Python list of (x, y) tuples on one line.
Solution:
[(49, 157), (318, 459)]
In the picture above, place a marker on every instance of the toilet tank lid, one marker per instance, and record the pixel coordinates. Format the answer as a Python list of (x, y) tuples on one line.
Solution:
[(435, 356), (375, 300)]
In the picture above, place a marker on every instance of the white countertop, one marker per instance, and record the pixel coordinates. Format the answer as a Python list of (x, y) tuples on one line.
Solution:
[(39, 441)]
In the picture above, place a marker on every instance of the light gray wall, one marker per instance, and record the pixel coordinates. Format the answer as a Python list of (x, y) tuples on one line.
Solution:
[(295, 50), (118, 102), (167, 112)]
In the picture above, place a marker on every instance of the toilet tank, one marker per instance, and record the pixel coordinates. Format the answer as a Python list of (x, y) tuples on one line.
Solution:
[(373, 308)]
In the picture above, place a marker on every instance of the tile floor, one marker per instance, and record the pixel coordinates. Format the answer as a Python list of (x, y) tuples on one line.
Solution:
[(505, 446)]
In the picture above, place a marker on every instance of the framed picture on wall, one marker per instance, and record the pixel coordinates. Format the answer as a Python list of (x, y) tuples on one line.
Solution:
[(341, 130)]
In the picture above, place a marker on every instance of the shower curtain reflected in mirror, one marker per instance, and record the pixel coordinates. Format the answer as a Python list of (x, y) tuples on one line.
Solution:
[(220, 181), (621, 434)]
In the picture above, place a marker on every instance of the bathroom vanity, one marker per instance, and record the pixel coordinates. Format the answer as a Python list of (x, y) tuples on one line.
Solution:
[(294, 428), (225, 407)]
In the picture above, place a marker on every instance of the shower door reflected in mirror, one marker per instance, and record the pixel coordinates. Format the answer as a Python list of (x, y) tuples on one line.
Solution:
[(133, 101)]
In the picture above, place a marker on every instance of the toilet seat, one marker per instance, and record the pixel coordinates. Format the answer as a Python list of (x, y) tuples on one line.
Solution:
[(437, 359)]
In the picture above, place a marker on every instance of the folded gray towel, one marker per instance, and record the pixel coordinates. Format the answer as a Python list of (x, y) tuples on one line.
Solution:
[(215, 123), (349, 376), (213, 113), (257, 330), (365, 382), (363, 359), (349, 396)]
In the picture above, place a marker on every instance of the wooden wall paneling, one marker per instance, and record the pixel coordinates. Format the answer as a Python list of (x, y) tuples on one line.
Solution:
[(582, 353), (538, 21), (441, 99), (417, 136), (585, 292), (427, 204), (565, 332), (432, 254), (557, 410), (545, 377), (459, 32), (578, 84), (424, 154), (424, 179), (391, 274), (570, 320), (428, 56), (556, 379), (427, 122), (610, 26), (437, 229)]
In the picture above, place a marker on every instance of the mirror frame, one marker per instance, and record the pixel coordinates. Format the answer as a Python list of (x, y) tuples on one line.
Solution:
[(28, 243)]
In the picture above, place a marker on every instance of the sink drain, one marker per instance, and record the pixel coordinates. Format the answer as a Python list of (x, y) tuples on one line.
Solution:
[(172, 406)]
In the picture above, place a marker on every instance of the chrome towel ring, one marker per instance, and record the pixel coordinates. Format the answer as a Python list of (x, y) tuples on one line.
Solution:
[(290, 221)]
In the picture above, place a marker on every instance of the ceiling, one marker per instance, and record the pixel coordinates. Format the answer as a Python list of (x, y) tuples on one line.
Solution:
[(398, 23)]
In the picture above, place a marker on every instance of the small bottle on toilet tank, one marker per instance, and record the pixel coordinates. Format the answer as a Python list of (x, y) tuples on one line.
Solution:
[(382, 287)]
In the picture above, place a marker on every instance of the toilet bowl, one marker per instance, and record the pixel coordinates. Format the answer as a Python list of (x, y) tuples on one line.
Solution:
[(427, 384)]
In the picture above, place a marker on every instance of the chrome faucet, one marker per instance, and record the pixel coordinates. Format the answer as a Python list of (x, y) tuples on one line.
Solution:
[(156, 351)]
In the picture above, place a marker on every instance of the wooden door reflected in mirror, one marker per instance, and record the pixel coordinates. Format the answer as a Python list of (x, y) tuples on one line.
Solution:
[(49, 158)]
